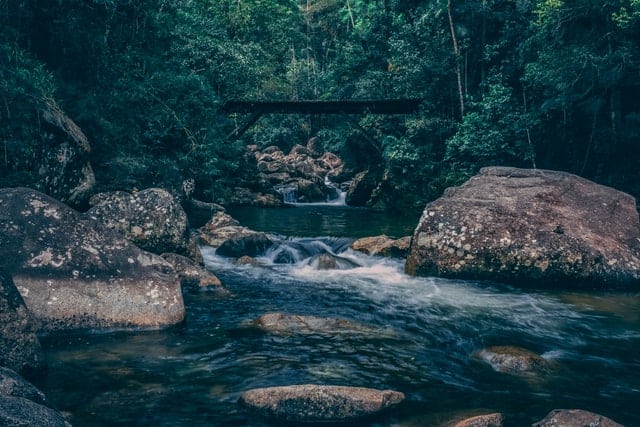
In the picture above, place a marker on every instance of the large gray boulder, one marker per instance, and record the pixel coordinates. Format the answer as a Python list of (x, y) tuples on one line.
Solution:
[(530, 227), (152, 219), (575, 418), (320, 403), (75, 273), (20, 349)]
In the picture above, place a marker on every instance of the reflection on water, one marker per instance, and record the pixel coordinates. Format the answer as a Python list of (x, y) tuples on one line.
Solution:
[(418, 337), (324, 220)]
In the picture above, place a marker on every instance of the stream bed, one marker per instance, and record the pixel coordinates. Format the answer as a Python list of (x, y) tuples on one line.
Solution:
[(418, 337)]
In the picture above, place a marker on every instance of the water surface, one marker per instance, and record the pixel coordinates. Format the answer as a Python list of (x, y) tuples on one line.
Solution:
[(417, 338)]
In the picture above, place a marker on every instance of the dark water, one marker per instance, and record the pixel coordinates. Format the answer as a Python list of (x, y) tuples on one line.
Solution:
[(418, 335)]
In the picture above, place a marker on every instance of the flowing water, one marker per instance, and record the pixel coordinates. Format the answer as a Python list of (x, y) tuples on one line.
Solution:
[(415, 335)]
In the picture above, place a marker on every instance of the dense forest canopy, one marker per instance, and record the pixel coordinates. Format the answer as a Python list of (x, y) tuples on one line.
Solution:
[(550, 84)]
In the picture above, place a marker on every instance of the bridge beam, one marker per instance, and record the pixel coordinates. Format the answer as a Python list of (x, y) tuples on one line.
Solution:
[(383, 106)]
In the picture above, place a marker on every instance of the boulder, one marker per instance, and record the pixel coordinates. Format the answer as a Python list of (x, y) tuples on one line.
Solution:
[(191, 275), (383, 245), (152, 219), (20, 348), (75, 273), (18, 412), (245, 197), (247, 260), (320, 403), (360, 189), (535, 227), (311, 191), (280, 323), (199, 212), (512, 360), (65, 170), (12, 384), (575, 418), (232, 240), (488, 420)]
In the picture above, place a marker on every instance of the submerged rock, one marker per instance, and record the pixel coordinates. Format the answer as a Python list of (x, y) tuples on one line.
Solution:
[(530, 227), (320, 403), (20, 348), (328, 261), (512, 360), (75, 273), (488, 420), (281, 323), (575, 418), (383, 245), (152, 219)]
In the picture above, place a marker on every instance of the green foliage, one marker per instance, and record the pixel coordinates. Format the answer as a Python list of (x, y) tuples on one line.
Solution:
[(25, 84), (550, 83), (490, 135)]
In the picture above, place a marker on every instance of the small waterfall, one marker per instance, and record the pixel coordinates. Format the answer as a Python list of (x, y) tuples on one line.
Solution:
[(289, 192), (338, 196), (305, 251)]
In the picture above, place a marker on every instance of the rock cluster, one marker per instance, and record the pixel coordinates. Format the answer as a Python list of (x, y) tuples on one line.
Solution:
[(301, 173), (530, 227)]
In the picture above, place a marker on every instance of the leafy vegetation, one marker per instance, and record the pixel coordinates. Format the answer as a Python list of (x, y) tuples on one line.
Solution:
[(531, 83)]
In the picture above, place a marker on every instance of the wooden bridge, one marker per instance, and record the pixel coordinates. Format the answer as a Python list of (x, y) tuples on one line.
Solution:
[(350, 107)]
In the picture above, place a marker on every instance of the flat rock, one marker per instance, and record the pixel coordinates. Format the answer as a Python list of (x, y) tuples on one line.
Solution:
[(281, 323), (75, 273), (20, 348), (530, 227), (575, 418), (488, 420), (152, 219), (383, 245), (512, 360), (320, 403)]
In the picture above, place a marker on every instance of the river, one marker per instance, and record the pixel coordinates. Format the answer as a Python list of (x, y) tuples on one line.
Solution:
[(419, 337)]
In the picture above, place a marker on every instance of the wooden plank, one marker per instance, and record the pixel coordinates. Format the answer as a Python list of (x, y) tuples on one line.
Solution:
[(383, 106)]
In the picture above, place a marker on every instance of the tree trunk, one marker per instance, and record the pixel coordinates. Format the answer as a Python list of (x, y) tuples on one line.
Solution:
[(456, 51)]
